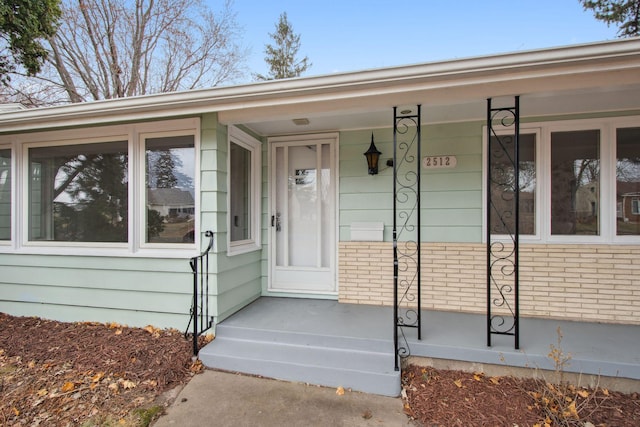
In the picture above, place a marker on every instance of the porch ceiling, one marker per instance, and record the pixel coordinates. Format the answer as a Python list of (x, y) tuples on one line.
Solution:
[(372, 115), (589, 78)]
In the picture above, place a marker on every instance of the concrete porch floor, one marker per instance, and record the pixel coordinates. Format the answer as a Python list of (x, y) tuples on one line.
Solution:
[(598, 349)]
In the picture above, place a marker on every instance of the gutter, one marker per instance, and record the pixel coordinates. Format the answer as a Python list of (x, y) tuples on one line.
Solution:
[(608, 56)]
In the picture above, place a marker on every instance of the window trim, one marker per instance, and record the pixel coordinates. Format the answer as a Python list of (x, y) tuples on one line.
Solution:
[(604, 214), (141, 220), (626, 122), (25, 208), (20, 143), (12, 199), (533, 130), (254, 146), (608, 156)]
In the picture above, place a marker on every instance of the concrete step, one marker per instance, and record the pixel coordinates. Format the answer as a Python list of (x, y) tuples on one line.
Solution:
[(365, 365), (321, 339)]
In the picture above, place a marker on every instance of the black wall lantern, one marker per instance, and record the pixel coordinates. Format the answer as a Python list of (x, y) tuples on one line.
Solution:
[(373, 156)]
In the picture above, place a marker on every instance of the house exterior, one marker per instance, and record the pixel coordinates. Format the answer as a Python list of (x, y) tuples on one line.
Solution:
[(102, 204)]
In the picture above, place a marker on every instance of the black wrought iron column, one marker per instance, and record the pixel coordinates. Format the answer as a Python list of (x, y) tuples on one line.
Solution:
[(503, 221), (406, 227)]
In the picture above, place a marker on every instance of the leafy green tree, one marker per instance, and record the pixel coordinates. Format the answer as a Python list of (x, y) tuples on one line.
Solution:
[(97, 186), (624, 13), (282, 55), (22, 24)]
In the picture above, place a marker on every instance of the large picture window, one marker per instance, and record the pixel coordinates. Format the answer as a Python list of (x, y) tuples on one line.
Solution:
[(244, 192), (170, 189), (109, 190), (579, 181), (5, 194), (575, 182), (628, 181), (79, 193)]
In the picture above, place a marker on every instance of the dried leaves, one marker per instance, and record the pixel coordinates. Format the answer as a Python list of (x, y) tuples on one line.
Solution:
[(565, 404), (54, 373), (456, 398)]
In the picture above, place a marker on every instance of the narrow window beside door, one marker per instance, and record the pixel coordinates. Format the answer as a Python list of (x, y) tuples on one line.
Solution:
[(244, 165), (240, 192)]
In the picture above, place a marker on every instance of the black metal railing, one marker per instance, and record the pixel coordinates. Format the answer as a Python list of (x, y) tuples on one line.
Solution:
[(406, 228), (503, 221), (199, 314)]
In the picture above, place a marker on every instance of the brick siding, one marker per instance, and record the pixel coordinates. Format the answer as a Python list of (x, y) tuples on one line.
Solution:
[(578, 282)]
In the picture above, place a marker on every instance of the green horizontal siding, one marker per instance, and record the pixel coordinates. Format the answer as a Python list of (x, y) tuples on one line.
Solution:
[(238, 277), (67, 313), (125, 289), (451, 198), (124, 263), (452, 181), (93, 296), (135, 291), (92, 278)]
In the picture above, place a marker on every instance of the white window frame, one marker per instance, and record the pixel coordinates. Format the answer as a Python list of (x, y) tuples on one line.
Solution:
[(626, 122), (606, 205), (12, 201), (141, 190), (25, 191), (530, 130), (20, 144), (246, 141), (607, 212)]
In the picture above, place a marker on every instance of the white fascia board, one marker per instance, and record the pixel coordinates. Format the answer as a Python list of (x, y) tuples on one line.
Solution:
[(609, 57)]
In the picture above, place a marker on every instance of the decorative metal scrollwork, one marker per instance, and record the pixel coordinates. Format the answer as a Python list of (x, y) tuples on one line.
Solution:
[(503, 228), (406, 227)]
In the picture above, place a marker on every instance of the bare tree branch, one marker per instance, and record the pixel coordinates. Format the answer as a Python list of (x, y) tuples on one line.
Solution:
[(117, 48)]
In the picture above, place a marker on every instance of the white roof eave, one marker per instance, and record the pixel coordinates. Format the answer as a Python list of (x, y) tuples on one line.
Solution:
[(619, 58)]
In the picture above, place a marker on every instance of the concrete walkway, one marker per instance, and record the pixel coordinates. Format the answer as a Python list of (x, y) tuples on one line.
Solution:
[(216, 398)]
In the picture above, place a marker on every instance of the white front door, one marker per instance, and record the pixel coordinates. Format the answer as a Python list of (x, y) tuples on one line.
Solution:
[(303, 214)]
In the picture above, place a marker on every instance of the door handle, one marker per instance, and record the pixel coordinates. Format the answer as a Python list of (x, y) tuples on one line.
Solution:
[(275, 221)]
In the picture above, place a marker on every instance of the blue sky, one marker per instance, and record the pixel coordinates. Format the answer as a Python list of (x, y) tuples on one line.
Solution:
[(352, 35)]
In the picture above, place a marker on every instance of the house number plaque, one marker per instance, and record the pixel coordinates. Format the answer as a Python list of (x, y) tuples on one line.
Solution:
[(439, 162)]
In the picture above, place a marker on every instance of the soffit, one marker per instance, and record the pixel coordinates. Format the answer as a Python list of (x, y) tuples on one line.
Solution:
[(448, 90)]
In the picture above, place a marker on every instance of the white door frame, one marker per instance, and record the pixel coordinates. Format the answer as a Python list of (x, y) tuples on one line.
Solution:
[(293, 140)]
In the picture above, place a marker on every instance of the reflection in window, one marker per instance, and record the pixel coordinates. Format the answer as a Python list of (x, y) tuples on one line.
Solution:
[(78, 193), (5, 194), (575, 182), (240, 192), (628, 181), (502, 184), (170, 193)]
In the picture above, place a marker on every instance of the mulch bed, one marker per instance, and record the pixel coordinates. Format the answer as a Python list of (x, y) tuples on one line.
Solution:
[(57, 374), (67, 374), (455, 398)]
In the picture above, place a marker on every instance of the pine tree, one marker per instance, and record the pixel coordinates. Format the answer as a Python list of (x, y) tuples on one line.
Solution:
[(624, 13), (164, 170), (282, 55)]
